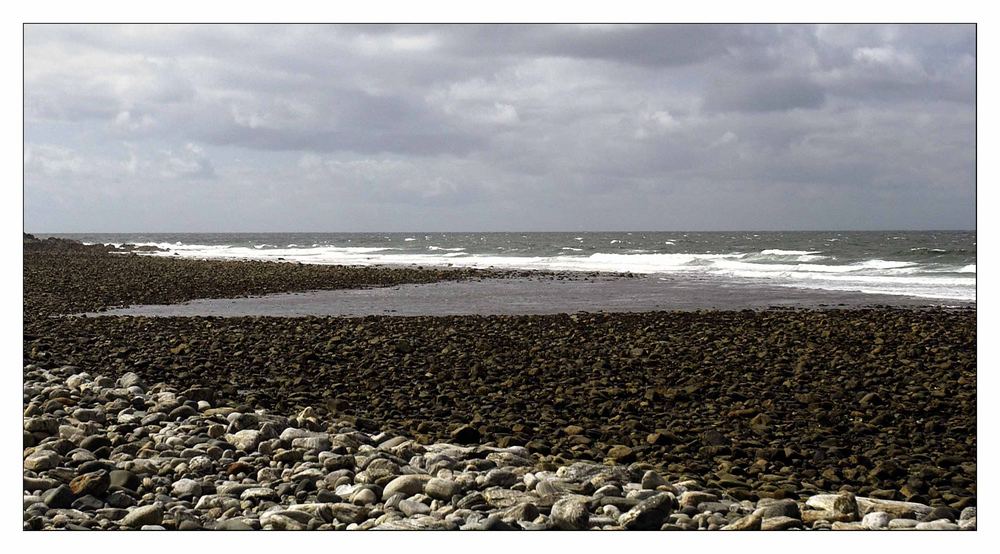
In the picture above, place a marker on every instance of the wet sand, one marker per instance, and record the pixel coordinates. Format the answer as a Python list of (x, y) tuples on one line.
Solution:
[(529, 296)]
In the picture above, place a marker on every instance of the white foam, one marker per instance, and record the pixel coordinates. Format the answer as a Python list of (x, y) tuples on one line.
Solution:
[(774, 266), (780, 252)]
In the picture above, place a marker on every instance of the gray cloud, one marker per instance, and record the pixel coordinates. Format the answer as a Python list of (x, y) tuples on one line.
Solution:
[(381, 127)]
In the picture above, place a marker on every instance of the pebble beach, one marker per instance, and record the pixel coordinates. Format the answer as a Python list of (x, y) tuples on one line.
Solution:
[(861, 418)]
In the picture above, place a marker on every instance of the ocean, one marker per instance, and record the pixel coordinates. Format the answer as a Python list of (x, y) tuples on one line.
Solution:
[(924, 264)]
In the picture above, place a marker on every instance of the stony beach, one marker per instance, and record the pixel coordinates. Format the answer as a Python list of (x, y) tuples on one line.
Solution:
[(102, 453), (768, 419)]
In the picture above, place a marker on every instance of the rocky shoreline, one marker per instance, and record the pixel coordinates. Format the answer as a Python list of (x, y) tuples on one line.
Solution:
[(753, 408), (117, 454)]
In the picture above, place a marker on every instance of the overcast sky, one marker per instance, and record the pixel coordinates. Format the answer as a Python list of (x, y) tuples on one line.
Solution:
[(447, 128)]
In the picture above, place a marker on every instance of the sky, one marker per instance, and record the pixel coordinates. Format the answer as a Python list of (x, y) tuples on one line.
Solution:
[(261, 128)]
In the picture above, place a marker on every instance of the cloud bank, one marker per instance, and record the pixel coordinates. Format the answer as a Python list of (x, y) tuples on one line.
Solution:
[(498, 127)]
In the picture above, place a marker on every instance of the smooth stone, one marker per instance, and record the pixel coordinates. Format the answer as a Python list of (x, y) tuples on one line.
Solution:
[(650, 513), (42, 460), (442, 489), (364, 497), (895, 508), (694, 498), (412, 508), (143, 515), (903, 523), (848, 526), (95, 483), (405, 484), (570, 514), (124, 479), (232, 525), (785, 507), (59, 497), (750, 522), (939, 525), (780, 523), (186, 488), (652, 479), (876, 520), (245, 440)]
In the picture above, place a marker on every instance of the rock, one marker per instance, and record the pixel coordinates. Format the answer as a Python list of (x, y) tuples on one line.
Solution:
[(694, 498), (848, 526), (466, 434), (87, 503), (895, 508), (59, 497), (750, 522), (119, 499), (245, 440), (499, 478), (364, 497), (95, 483), (831, 507), (348, 513), (124, 479), (42, 460), (189, 525), (652, 479), (181, 412), (650, 513), (405, 484), (787, 507), (780, 523), (412, 508), (186, 488), (570, 513), (939, 525), (94, 442), (621, 454), (216, 501), (259, 493), (903, 523), (525, 511), (44, 425), (129, 379), (38, 483), (322, 443), (941, 512), (876, 520), (504, 498), (143, 515), (442, 489), (285, 520), (232, 525)]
